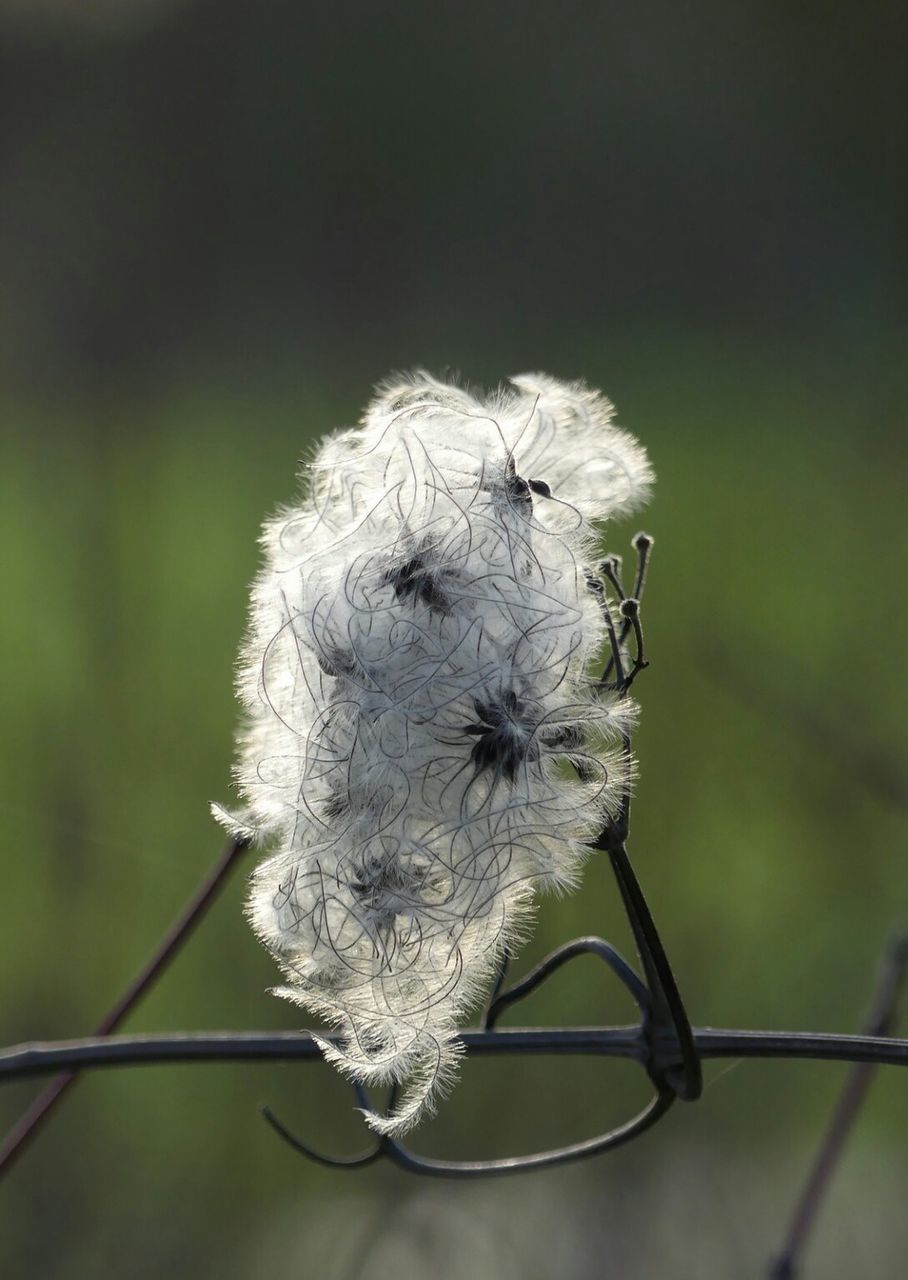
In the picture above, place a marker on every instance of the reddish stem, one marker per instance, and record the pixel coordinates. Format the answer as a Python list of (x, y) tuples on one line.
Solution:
[(888, 986), (27, 1126)]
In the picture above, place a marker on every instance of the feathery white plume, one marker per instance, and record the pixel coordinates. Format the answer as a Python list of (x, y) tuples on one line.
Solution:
[(415, 677)]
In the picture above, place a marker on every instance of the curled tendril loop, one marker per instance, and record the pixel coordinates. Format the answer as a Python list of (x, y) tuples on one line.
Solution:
[(403, 1156)]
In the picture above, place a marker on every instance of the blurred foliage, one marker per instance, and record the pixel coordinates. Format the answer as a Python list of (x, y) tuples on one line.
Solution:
[(369, 182), (220, 224)]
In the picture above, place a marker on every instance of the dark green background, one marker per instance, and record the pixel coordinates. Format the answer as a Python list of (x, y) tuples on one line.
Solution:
[(221, 223)]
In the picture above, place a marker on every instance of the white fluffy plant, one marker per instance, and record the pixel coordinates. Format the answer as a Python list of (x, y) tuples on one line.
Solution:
[(424, 742)]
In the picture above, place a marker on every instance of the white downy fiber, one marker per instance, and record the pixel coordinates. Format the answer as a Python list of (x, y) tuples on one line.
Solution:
[(416, 680)]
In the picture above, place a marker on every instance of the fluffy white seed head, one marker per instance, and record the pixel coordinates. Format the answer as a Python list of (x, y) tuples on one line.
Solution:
[(423, 745)]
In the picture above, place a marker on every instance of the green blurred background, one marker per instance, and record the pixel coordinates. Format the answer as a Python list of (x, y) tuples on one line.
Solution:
[(221, 222)]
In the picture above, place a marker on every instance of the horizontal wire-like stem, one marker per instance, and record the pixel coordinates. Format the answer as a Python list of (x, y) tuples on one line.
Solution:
[(43, 1057)]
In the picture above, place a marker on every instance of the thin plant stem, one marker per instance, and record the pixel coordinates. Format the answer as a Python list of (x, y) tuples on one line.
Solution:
[(888, 987), (45, 1057), (667, 1008), (28, 1125)]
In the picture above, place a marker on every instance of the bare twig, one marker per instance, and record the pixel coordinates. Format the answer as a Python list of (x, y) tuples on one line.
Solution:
[(45, 1057), (889, 981), (681, 1070), (30, 1122), (644, 1043)]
